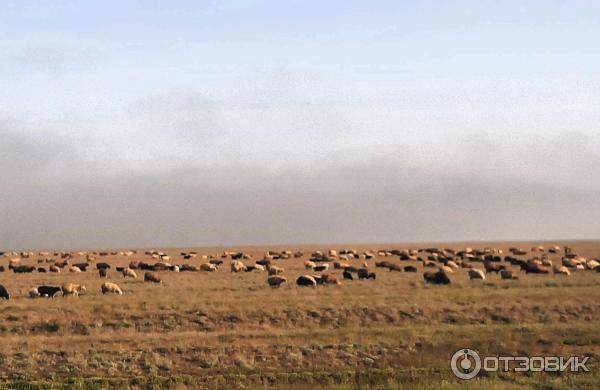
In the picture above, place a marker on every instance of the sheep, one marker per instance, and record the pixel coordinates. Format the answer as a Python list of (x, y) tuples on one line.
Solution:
[(338, 265), (22, 269), (48, 291), (273, 270), (108, 287), (507, 274), (327, 279), (33, 292), (309, 264), (347, 275), (54, 268), (208, 267), (276, 280), (306, 281), (129, 273), (74, 269), (592, 264), (475, 273), (72, 289), (321, 267), (493, 267), (103, 272), (436, 277), (4, 293), (561, 270), (152, 277), (237, 266)]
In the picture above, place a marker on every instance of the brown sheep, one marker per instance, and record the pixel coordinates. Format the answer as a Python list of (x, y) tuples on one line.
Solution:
[(108, 287), (152, 277), (54, 268), (274, 270), (493, 267), (475, 273), (327, 279), (276, 280), (507, 274), (72, 289), (436, 277)]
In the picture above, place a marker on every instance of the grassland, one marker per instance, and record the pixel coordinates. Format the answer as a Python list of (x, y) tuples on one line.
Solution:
[(227, 330)]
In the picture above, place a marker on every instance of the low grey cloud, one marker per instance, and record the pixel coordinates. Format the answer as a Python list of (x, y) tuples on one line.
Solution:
[(476, 186)]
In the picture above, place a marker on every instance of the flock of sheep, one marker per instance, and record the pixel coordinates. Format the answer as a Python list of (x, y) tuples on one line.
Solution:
[(438, 265)]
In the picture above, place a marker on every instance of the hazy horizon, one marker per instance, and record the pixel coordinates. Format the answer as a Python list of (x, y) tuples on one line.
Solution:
[(264, 122)]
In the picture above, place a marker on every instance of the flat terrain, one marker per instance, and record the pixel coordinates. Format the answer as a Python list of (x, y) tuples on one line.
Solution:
[(228, 330)]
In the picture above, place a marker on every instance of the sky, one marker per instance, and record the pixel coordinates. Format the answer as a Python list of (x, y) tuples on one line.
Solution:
[(204, 123)]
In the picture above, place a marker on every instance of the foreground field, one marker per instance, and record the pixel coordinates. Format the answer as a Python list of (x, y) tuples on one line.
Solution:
[(226, 329)]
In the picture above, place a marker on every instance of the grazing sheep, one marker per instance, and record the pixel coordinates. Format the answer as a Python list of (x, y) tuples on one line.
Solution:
[(129, 273), (452, 264), (592, 264), (276, 280), (108, 287), (436, 277), (561, 270), (152, 277), (274, 270), (22, 269), (72, 289), (33, 292), (507, 274), (208, 267), (216, 262), (531, 267), (48, 291), (102, 265), (54, 268), (309, 264), (306, 281), (82, 266), (363, 273), (237, 266), (338, 265), (475, 273), (493, 267), (395, 267), (4, 293), (347, 275), (74, 269), (410, 268)]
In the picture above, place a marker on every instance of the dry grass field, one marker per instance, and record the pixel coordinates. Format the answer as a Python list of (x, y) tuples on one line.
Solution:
[(231, 330)]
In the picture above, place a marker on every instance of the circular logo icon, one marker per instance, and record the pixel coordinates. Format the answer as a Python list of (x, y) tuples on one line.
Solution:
[(465, 364)]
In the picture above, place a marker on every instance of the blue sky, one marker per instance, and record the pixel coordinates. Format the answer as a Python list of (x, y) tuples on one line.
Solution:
[(297, 107)]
